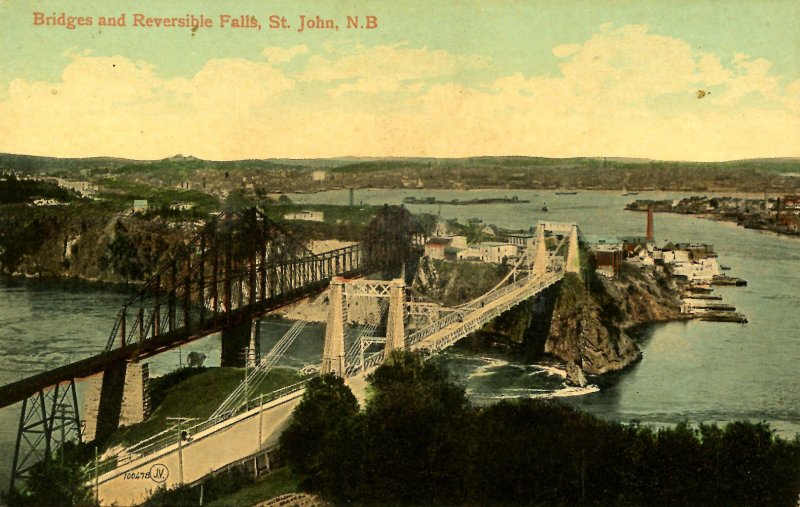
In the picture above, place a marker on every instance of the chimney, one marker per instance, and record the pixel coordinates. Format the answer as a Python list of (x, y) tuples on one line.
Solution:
[(649, 223)]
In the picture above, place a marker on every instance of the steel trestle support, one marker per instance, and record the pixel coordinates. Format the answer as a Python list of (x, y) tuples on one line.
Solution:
[(47, 420)]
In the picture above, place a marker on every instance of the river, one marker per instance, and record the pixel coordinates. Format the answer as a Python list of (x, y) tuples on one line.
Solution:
[(691, 371)]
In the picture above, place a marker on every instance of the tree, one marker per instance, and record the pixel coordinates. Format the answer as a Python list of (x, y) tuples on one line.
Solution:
[(419, 442), (327, 405), (123, 255), (58, 482), (416, 430)]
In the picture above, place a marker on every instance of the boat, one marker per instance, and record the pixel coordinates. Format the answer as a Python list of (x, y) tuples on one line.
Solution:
[(566, 193), (625, 194)]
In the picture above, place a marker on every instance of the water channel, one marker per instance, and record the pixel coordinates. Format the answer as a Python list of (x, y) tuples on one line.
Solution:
[(693, 371)]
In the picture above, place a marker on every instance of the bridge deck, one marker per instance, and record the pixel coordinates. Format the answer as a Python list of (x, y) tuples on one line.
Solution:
[(22, 389), (504, 299)]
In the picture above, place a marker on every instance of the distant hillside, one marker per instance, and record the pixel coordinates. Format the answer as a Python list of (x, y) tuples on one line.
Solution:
[(289, 175)]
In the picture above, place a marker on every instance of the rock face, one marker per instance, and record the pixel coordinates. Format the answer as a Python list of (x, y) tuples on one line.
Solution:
[(588, 325), (582, 332), (585, 328), (575, 375), (90, 245), (454, 283)]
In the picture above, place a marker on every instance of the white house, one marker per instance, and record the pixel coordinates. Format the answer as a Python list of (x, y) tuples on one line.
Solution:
[(521, 240), (496, 252), (309, 216)]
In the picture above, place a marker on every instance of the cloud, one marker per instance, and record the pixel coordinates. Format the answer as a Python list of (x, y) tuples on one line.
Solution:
[(792, 98), (624, 91), (111, 105), (566, 50), (231, 85), (629, 64), (385, 68), (277, 56), (398, 62), (750, 77)]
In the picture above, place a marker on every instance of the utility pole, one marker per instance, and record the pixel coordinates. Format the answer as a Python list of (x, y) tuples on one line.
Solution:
[(260, 420), (180, 421), (96, 480)]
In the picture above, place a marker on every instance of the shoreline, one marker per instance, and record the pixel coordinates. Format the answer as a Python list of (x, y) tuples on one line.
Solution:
[(720, 192), (18, 279), (722, 219)]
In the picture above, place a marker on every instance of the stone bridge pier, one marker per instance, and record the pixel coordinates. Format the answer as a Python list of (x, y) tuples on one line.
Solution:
[(240, 344), (119, 396)]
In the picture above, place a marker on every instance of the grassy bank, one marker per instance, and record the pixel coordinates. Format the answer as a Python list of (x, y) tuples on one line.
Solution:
[(195, 393)]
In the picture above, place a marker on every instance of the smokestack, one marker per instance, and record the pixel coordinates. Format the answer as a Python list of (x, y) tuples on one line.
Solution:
[(649, 222)]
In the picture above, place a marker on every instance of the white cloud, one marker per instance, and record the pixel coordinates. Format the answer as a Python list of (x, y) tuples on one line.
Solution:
[(110, 105), (751, 77), (624, 91), (231, 85), (629, 64), (277, 56), (792, 98), (566, 50), (384, 68), (390, 62)]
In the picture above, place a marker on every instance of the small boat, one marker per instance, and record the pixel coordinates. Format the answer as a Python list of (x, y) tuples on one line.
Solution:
[(544, 208), (725, 268), (566, 193), (625, 194)]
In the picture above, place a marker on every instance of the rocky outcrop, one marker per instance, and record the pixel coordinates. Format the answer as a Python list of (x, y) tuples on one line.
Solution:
[(585, 327), (84, 243), (589, 325), (454, 283), (575, 375), (644, 295), (583, 333)]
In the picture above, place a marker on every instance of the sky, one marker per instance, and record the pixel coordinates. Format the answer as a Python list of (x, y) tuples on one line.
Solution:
[(680, 80)]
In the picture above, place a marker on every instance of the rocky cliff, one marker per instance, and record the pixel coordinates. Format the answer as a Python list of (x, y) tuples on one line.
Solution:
[(590, 326), (586, 326), (83, 242), (454, 283)]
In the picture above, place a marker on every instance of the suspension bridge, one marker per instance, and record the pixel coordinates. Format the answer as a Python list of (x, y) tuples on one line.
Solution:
[(225, 282)]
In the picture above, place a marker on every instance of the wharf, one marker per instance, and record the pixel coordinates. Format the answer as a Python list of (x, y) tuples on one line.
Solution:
[(728, 280), (723, 317)]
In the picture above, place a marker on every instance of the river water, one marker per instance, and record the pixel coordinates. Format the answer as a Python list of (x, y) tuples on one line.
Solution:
[(691, 371)]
